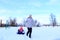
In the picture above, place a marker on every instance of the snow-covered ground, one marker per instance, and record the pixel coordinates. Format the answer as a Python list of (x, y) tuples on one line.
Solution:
[(38, 33)]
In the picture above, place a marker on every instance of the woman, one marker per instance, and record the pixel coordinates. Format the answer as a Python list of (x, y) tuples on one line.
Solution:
[(29, 24)]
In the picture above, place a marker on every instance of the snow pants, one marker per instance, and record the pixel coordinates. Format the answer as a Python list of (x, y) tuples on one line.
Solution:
[(29, 32)]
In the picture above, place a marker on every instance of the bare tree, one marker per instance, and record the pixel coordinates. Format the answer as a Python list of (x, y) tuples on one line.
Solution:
[(0, 22), (53, 20), (13, 22)]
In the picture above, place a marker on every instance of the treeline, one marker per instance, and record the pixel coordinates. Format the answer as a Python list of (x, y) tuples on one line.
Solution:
[(13, 22), (10, 22)]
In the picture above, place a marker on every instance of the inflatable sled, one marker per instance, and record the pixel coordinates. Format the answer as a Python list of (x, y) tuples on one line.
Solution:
[(21, 31)]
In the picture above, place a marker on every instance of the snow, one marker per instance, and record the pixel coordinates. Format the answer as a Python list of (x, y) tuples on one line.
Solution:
[(38, 33)]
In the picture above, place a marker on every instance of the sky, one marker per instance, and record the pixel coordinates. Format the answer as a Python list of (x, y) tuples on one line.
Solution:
[(21, 9)]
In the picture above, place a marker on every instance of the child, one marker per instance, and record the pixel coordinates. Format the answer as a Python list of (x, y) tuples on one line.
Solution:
[(20, 30)]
